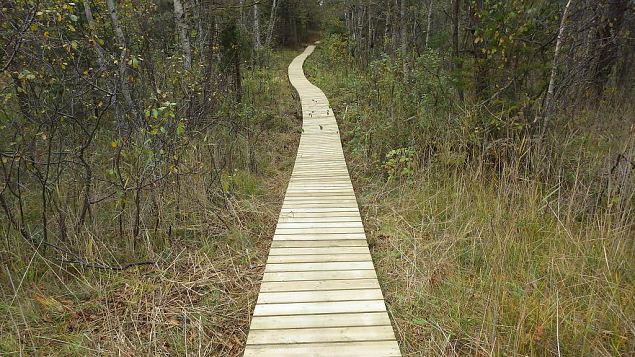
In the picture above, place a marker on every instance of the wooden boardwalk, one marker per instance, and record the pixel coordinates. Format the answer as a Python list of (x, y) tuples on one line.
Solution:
[(319, 294)]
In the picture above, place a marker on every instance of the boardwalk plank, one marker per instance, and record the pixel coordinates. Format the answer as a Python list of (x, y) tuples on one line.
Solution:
[(306, 308), (326, 334), (367, 348), (331, 320), (317, 258), (316, 285), (319, 275), (319, 294)]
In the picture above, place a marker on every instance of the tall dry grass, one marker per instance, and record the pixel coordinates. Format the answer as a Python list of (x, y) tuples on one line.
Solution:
[(206, 231), (487, 240)]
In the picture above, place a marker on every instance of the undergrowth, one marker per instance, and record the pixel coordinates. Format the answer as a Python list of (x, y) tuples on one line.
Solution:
[(487, 240), (207, 238)]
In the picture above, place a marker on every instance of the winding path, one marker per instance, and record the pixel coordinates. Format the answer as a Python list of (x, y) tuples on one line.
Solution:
[(319, 295)]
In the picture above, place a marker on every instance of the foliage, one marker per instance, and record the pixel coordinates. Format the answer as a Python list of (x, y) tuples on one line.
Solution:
[(399, 163), (474, 224), (119, 161)]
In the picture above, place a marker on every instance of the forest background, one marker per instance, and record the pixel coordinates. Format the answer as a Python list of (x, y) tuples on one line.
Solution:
[(145, 148)]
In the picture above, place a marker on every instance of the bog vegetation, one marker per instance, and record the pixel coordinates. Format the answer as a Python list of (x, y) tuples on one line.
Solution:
[(145, 148)]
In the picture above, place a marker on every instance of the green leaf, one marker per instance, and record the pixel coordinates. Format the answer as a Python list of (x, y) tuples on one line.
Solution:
[(180, 128)]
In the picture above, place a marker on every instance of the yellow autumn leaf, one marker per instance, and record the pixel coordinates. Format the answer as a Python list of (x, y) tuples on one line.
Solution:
[(49, 303)]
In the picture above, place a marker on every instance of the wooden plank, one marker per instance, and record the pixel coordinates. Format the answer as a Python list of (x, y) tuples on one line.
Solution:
[(308, 308), (319, 275), (316, 185), (324, 266), (325, 334), (320, 219), (320, 225), (319, 258), (321, 236), (319, 296), (319, 243), (324, 210), (317, 251), (342, 202), (322, 231), (320, 189), (345, 349), (316, 193), (321, 215), (318, 206), (316, 285), (313, 321), (309, 197)]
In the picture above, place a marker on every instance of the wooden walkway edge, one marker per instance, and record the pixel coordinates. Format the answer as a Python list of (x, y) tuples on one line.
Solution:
[(319, 295)]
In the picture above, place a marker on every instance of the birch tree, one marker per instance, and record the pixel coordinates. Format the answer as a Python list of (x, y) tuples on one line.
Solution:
[(123, 63), (554, 67), (271, 24), (404, 32), (183, 31), (91, 25), (257, 43), (429, 24)]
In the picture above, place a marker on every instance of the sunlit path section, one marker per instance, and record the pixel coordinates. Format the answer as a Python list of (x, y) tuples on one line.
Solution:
[(319, 295)]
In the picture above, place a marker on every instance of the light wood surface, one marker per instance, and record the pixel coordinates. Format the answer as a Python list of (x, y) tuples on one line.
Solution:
[(319, 295)]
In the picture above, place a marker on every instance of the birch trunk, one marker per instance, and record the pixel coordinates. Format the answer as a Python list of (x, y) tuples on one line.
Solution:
[(455, 44), (404, 39), (123, 59), (481, 71), (387, 26), (241, 3), (369, 40), (202, 30), (272, 22), (429, 24), (257, 44), (182, 28), (554, 68), (393, 35)]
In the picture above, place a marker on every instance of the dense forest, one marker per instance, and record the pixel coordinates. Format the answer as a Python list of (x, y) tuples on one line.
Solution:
[(146, 146)]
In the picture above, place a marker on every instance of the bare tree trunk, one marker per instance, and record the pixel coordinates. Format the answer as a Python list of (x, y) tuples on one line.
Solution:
[(202, 31), (347, 19), (546, 112), (429, 24), (455, 44), (402, 27), (182, 28), (413, 32), (369, 42), (387, 26), (393, 39), (91, 24), (480, 57), (272, 22), (257, 44), (241, 4), (123, 67), (607, 37)]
